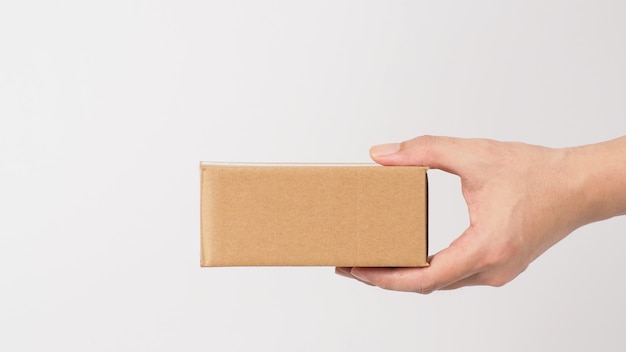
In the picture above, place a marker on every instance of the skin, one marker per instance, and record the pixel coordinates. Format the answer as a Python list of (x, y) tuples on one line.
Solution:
[(521, 200)]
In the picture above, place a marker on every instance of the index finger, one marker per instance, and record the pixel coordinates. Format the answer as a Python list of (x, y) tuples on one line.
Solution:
[(446, 267)]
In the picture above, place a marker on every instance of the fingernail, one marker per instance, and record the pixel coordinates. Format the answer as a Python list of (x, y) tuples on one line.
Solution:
[(343, 271), (384, 149), (359, 276)]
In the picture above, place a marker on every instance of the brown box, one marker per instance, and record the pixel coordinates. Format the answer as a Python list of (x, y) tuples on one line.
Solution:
[(309, 214)]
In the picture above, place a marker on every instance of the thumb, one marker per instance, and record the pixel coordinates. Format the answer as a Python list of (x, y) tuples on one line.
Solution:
[(449, 154)]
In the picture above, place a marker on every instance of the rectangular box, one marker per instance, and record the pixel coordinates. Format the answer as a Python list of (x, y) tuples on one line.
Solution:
[(308, 214)]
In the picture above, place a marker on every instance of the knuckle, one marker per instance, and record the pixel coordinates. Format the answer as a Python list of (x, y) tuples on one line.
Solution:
[(500, 278), (425, 289), (421, 142), (500, 256), (490, 261), (385, 284), (421, 150), (425, 286), (427, 142), (498, 281), (400, 283)]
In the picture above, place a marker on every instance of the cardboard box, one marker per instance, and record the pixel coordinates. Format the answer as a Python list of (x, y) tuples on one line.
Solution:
[(308, 214)]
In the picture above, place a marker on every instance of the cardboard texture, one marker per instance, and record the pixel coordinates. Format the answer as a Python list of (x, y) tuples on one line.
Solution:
[(322, 215)]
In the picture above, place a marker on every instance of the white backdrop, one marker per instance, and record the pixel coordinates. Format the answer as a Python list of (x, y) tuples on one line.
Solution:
[(106, 108)]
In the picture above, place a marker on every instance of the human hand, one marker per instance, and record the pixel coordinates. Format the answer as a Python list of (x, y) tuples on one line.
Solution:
[(521, 200)]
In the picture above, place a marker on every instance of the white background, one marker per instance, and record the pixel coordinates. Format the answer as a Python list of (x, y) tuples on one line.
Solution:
[(106, 109)]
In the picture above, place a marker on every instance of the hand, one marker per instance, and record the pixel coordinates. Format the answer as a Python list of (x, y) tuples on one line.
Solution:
[(521, 200)]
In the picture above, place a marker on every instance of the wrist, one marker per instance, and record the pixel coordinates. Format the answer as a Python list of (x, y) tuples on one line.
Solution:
[(598, 175)]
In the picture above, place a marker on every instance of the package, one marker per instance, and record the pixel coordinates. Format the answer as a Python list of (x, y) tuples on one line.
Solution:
[(313, 214)]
